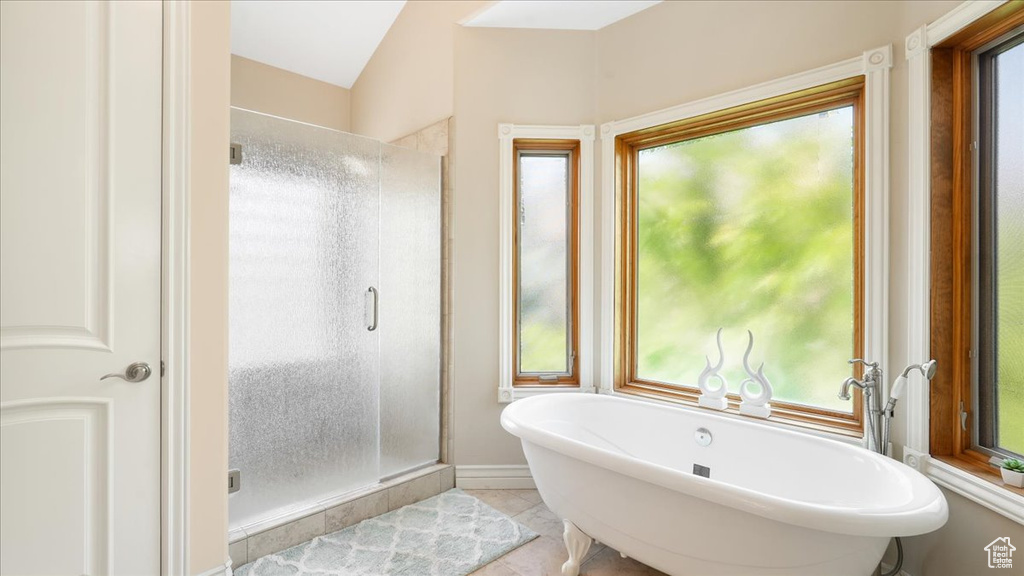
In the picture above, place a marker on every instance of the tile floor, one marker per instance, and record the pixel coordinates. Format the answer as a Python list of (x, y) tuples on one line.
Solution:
[(545, 555)]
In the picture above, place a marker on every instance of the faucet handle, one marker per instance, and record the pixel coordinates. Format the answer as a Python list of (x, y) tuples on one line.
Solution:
[(864, 362)]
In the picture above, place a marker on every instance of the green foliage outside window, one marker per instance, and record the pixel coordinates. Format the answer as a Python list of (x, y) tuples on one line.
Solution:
[(750, 229)]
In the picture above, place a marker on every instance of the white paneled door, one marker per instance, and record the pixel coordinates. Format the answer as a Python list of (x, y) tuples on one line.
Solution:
[(80, 116)]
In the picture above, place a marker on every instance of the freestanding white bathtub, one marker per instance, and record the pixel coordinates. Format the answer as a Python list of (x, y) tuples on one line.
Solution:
[(776, 502)]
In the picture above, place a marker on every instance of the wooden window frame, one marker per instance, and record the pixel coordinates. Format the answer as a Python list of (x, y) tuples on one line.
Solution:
[(571, 380), (585, 353), (952, 178), (842, 93)]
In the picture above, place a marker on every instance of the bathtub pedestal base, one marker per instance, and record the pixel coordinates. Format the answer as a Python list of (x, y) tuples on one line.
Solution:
[(577, 543)]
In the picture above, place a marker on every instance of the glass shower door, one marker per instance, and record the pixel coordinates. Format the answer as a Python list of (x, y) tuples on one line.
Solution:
[(410, 320), (304, 369)]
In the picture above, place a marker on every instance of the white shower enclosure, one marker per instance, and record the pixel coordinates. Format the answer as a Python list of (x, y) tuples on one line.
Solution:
[(334, 306)]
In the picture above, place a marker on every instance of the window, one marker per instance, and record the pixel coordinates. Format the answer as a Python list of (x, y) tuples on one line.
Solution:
[(999, 332), (546, 287), (747, 218), (977, 243), (546, 261)]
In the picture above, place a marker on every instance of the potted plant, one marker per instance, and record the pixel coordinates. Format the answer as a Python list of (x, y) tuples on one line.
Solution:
[(1013, 472)]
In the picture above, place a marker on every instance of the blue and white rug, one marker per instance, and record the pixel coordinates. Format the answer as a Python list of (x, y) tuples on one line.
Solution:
[(451, 534)]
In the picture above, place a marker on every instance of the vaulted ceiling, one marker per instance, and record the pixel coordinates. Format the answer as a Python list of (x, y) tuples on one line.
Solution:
[(333, 40), (329, 41)]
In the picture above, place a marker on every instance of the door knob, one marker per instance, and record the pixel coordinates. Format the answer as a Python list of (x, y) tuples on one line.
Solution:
[(136, 372)]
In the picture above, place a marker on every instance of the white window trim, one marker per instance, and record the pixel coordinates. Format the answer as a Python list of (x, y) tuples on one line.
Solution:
[(874, 65), (174, 400), (584, 133), (918, 397)]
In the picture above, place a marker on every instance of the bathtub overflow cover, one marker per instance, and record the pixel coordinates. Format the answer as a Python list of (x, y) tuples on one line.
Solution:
[(703, 436)]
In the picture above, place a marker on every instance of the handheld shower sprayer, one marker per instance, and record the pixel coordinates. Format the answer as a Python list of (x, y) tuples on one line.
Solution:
[(896, 391), (900, 384)]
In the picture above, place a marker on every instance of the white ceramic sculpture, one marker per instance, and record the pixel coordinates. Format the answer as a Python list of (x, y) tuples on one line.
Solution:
[(755, 404), (713, 398)]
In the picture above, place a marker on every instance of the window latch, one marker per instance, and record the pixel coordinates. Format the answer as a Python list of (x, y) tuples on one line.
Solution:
[(963, 416)]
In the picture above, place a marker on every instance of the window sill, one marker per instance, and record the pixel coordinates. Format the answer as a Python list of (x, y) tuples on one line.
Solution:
[(818, 424), (841, 436), (506, 395), (972, 481)]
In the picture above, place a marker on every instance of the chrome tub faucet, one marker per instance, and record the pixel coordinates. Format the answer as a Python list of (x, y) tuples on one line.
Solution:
[(880, 419), (870, 383)]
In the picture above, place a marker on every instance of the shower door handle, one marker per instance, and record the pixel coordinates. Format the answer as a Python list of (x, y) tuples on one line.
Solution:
[(372, 325)]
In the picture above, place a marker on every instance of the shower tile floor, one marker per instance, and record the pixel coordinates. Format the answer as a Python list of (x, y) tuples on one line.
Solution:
[(544, 556)]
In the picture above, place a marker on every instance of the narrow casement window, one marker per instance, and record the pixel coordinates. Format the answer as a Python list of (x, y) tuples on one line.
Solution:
[(977, 244), (545, 266), (999, 324), (748, 219)]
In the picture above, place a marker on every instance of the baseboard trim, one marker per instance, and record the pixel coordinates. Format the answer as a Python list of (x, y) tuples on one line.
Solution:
[(224, 570), (496, 477)]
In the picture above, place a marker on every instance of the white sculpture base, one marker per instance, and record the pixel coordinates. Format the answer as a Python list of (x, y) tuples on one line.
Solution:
[(755, 410), (713, 403), (577, 543)]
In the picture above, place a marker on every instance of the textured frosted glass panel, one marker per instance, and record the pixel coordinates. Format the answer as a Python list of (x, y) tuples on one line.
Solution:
[(302, 366), (543, 263), (1009, 257), (750, 229), (410, 309)]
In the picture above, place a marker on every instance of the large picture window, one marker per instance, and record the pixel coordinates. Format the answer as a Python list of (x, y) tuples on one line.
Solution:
[(747, 219)]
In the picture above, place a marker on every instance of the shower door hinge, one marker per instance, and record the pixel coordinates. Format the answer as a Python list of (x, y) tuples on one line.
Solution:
[(235, 156), (234, 481)]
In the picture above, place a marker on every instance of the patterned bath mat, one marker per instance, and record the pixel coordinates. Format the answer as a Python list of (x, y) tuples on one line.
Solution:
[(451, 534)]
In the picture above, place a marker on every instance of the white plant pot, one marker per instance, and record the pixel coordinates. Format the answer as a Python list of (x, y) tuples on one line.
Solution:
[(1012, 478)]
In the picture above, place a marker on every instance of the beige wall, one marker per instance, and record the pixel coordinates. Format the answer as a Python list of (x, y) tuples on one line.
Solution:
[(208, 278), (520, 76), (957, 549), (263, 88), (408, 82), (640, 64), (656, 59), (677, 52), (427, 69), (766, 40)]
